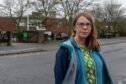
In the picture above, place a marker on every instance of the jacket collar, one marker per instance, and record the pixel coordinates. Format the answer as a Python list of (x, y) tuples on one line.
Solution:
[(73, 42)]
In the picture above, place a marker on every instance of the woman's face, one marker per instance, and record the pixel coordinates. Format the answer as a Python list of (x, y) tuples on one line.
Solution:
[(82, 27)]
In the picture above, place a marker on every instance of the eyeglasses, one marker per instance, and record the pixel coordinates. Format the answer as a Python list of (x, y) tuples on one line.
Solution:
[(81, 24)]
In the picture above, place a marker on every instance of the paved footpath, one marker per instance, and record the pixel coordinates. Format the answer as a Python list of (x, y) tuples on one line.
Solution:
[(17, 48)]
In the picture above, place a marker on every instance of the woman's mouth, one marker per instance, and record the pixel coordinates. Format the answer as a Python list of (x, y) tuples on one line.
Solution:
[(85, 32)]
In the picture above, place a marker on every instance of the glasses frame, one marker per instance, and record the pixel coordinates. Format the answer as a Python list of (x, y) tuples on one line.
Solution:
[(81, 24)]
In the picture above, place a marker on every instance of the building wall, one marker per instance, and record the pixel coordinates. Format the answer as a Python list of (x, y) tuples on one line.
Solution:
[(7, 24), (53, 25), (56, 25)]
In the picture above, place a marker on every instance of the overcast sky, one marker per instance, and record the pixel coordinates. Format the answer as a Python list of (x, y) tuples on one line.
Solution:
[(123, 2)]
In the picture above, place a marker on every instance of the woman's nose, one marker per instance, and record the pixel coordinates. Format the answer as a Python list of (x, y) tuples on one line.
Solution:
[(84, 26)]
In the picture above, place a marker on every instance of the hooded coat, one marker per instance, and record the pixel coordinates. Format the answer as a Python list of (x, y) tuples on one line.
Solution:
[(69, 65)]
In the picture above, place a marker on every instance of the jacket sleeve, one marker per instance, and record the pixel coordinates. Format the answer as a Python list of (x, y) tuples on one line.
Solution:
[(61, 64), (107, 79)]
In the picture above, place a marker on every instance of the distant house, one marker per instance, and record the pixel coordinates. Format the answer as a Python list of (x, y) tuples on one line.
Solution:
[(58, 27), (33, 27), (30, 23), (7, 27), (54, 26)]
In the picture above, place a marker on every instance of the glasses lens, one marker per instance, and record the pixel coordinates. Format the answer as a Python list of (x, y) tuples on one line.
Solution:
[(83, 24)]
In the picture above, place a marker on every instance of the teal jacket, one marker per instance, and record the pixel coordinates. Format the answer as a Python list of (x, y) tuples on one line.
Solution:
[(75, 73)]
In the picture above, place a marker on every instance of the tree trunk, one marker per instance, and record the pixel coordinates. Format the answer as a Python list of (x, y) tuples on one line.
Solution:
[(70, 26), (9, 40)]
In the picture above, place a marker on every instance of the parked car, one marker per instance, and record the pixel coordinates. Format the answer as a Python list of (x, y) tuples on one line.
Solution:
[(61, 36), (58, 36)]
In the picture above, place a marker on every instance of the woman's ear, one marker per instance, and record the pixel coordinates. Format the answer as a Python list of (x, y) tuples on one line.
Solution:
[(73, 31), (74, 28)]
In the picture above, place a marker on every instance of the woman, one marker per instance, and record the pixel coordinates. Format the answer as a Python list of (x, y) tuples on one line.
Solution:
[(78, 60)]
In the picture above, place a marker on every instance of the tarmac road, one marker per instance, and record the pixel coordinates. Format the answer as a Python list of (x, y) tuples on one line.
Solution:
[(37, 67)]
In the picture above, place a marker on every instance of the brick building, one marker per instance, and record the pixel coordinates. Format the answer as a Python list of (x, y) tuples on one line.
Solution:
[(7, 27), (33, 24)]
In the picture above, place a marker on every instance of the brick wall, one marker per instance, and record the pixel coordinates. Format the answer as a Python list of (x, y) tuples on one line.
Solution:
[(7, 24), (56, 25)]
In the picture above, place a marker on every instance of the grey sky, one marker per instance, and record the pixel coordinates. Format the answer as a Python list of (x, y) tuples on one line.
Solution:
[(123, 2)]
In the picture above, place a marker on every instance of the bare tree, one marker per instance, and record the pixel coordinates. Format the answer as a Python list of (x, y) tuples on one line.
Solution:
[(70, 7), (122, 27), (98, 14), (14, 9), (110, 15), (44, 7), (113, 14)]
